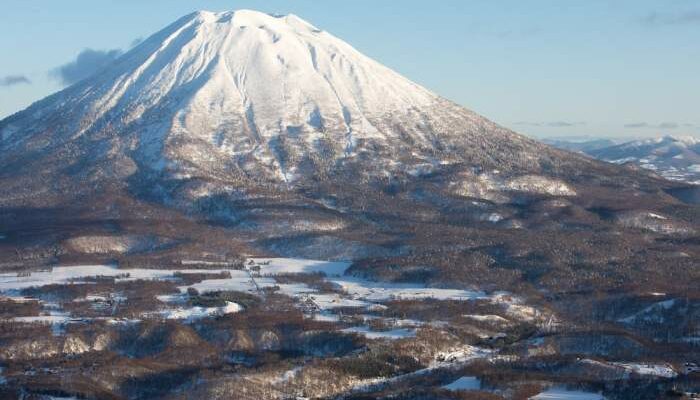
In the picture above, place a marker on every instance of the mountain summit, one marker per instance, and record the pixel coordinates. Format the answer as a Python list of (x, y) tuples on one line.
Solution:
[(244, 97), (241, 100)]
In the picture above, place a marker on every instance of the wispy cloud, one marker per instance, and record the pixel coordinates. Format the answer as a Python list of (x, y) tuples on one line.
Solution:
[(87, 63), (683, 18), (552, 124), (637, 125), (12, 80), (668, 125), (663, 125)]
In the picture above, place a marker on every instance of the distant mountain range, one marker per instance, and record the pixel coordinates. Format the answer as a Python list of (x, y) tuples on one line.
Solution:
[(672, 157)]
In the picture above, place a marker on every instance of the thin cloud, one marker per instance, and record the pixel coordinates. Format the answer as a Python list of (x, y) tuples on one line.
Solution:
[(552, 124), (663, 125), (684, 18), (564, 124), (668, 125), (637, 125), (12, 80), (86, 64)]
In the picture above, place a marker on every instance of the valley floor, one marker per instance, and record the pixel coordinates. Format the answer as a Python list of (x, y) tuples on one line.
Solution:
[(276, 328)]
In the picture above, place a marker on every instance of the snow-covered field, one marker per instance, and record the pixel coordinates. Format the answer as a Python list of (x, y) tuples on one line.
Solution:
[(258, 275), (655, 369), (562, 393), (652, 313), (660, 370), (464, 383), (276, 266), (400, 333), (194, 313), (382, 291)]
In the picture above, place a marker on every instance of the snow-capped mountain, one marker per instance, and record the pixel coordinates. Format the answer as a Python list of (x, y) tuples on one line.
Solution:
[(582, 144), (247, 97), (673, 157)]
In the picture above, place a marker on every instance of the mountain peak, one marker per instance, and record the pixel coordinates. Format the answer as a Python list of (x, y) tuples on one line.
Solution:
[(685, 139), (252, 18), (247, 95)]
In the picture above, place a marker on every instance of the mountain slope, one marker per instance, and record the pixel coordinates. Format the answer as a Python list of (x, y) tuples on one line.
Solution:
[(676, 158), (296, 141), (246, 98)]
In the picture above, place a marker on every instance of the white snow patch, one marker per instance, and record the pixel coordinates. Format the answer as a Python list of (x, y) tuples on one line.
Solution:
[(240, 281), (486, 318), (211, 263), (562, 393), (325, 317), (195, 313), (420, 169), (277, 266), (384, 291), (494, 217), (540, 184), (660, 370), (287, 375), (58, 398), (623, 160), (657, 216), (460, 354), (464, 383), (258, 274), (650, 313), (48, 319), (392, 334)]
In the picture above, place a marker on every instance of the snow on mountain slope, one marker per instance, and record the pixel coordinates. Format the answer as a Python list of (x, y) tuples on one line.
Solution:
[(673, 157), (240, 97)]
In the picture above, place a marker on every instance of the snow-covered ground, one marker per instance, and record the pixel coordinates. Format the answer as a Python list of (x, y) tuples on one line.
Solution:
[(660, 370), (383, 291), (562, 393), (400, 333), (277, 266), (450, 359), (195, 313), (651, 313), (464, 383), (487, 318), (657, 369), (258, 275)]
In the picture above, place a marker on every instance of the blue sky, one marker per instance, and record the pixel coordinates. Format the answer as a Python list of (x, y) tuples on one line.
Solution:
[(541, 67)]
